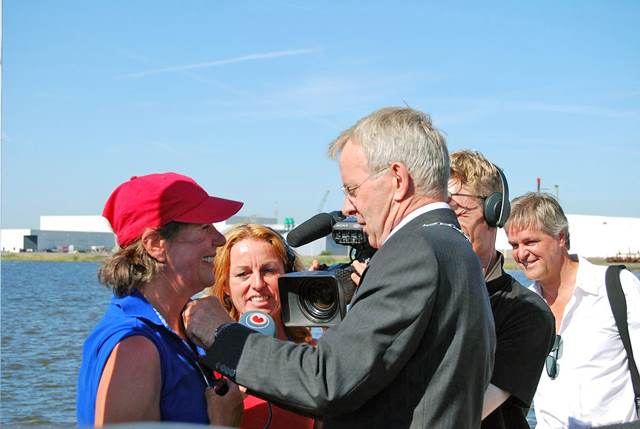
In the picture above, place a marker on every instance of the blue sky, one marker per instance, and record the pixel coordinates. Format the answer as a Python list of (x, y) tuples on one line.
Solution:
[(245, 96)]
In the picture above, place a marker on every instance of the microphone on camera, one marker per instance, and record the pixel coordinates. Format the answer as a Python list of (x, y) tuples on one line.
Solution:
[(312, 229), (260, 322)]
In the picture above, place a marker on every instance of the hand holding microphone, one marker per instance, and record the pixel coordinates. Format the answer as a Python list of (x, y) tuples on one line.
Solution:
[(258, 321), (201, 317)]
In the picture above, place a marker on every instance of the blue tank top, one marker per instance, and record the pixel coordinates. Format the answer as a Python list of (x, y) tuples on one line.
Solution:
[(182, 397)]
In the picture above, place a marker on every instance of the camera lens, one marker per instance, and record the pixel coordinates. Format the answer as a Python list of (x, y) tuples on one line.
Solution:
[(319, 300)]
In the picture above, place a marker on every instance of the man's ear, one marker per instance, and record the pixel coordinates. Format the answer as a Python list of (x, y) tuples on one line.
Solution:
[(154, 244), (562, 240), (403, 183)]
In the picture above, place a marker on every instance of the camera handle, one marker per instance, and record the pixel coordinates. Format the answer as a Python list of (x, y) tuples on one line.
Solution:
[(362, 252)]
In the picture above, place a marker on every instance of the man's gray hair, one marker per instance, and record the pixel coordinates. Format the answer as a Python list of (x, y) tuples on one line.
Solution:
[(401, 134), (538, 210)]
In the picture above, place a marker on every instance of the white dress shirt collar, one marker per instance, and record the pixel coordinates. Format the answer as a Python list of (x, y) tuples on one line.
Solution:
[(417, 212), (587, 280)]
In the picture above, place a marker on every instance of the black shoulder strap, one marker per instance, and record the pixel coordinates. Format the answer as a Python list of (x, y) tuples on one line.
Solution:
[(619, 308)]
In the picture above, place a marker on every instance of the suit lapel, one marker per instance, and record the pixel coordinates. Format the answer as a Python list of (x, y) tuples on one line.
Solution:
[(432, 216)]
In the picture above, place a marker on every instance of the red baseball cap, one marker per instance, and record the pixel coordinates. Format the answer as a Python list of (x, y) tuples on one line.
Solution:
[(154, 200)]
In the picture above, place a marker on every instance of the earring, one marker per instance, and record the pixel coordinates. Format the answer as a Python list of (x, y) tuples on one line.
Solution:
[(226, 300)]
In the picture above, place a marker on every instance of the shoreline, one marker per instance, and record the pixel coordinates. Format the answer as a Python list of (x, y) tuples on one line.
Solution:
[(509, 263), (54, 256)]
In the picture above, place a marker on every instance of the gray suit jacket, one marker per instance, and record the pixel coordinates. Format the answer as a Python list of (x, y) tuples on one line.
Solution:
[(415, 349)]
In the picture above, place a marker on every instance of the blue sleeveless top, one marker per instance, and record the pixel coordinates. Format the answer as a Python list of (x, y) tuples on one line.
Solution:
[(182, 397)]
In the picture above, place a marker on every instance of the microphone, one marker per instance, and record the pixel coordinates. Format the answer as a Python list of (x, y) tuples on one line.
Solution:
[(260, 322), (312, 229), (263, 324)]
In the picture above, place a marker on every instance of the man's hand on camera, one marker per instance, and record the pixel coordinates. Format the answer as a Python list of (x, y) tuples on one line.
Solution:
[(358, 269), (202, 317), (317, 266)]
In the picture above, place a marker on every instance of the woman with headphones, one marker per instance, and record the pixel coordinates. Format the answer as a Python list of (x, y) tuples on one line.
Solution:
[(247, 268)]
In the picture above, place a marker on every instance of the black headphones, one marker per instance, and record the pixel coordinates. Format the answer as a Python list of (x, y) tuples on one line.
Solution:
[(291, 257), (497, 206)]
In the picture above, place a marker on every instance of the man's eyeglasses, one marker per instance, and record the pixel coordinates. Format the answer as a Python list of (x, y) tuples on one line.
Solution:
[(481, 197), (351, 191), (551, 362), (455, 204)]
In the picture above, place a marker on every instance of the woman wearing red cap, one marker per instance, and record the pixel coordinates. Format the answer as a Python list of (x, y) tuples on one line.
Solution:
[(138, 364), (247, 269)]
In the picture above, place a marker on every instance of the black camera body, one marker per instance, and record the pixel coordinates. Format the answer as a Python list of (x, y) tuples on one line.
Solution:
[(315, 298), (320, 298), (349, 233)]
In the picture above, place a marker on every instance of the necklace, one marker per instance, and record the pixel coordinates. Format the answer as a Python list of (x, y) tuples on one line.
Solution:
[(491, 262), (195, 361), (162, 319), (450, 225)]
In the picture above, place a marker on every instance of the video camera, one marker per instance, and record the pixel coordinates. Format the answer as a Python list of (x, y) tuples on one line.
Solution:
[(320, 298)]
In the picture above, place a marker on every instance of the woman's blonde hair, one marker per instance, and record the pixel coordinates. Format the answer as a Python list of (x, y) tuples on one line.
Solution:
[(290, 261)]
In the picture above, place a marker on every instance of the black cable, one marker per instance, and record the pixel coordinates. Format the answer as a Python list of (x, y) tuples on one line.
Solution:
[(270, 415)]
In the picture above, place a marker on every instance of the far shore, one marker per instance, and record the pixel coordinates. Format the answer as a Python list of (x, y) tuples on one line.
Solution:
[(509, 264), (101, 256)]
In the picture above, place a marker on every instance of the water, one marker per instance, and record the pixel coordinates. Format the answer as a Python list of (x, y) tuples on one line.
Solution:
[(47, 310)]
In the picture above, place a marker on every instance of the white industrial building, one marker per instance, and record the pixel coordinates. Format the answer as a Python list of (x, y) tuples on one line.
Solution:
[(324, 245), (60, 233), (87, 233), (591, 236), (12, 240), (75, 223)]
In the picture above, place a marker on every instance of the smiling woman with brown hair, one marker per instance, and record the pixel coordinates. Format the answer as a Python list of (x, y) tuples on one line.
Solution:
[(138, 364)]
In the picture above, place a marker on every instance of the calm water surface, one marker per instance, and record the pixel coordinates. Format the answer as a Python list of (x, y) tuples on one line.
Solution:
[(47, 310)]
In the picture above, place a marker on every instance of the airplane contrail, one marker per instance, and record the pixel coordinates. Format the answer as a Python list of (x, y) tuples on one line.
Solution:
[(251, 57)]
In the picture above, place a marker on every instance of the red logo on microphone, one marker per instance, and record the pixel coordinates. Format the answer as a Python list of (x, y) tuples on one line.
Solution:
[(258, 319)]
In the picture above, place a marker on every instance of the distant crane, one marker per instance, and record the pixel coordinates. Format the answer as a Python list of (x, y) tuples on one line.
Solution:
[(557, 188), (323, 201)]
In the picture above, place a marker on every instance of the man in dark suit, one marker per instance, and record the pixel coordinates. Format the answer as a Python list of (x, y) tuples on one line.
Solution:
[(416, 348)]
